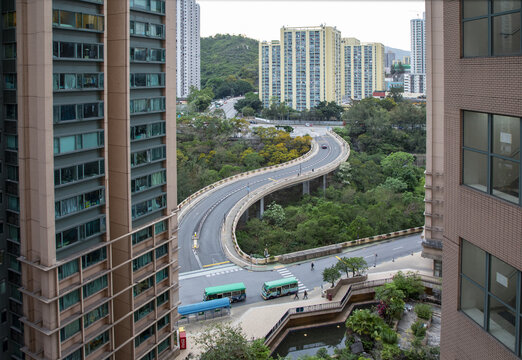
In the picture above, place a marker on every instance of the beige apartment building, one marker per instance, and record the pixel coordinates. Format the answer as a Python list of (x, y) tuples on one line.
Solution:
[(302, 69), (473, 203), (91, 215), (362, 70)]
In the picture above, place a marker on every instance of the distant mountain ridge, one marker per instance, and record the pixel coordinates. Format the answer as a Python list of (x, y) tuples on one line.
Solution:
[(224, 55), (399, 53)]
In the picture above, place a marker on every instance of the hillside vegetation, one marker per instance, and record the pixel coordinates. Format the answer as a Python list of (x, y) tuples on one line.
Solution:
[(225, 58)]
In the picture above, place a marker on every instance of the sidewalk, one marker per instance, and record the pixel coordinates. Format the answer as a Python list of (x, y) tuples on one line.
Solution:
[(258, 318)]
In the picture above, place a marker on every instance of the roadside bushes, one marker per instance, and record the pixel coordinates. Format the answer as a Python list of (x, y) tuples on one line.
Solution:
[(423, 311)]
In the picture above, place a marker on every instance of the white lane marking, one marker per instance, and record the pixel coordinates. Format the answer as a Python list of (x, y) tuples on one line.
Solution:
[(369, 256), (209, 271), (197, 258), (397, 248)]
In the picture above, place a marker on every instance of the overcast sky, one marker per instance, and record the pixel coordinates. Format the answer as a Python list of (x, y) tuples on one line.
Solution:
[(370, 21)]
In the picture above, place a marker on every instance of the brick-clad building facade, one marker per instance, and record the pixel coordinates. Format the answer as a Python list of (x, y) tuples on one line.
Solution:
[(475, 48)]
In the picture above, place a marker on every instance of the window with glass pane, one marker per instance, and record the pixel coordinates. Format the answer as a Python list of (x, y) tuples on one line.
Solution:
[(496, 170), (491, 27), (141, 261), (69, 330), (67, 269), (501, 323), (95, 315), (96, 343), (162, 275), (69, 300), (94, 286), (143, 286), (161, 251), (10, 81), (143, 311), (164, 345), (9, 51), (94, 257), (161, 299), (164, 321), (141, 338)]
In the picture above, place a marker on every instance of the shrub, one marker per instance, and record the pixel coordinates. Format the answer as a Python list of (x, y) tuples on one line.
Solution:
[(410, 284), (388, 336), (418, 329), (390, 352), (423, 311)]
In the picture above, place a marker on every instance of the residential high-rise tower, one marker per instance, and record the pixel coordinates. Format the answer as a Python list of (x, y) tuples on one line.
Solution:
[(188, 47), (415, 82), (475, 115), (91, 213), (362, 70)]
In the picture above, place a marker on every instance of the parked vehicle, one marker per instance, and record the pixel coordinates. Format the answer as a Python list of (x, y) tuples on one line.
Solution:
[(277, 288), (235, 292), (324, 146)]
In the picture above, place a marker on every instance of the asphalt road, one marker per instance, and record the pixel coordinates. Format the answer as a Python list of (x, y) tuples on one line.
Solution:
[(207, 216), (228, 107), (193, 283)]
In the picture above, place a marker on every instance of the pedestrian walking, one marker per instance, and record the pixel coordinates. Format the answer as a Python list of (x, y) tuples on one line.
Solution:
[(312, 266), (296, 296), (305, 295)]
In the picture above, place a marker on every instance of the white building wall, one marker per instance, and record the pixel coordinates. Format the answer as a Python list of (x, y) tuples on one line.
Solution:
[(188, 46)]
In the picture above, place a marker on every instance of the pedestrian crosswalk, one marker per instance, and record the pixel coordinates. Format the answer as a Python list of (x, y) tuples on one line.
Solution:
[(284, 272)]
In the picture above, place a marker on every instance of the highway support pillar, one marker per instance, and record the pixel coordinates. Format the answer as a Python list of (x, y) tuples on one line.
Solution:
[(261, 207), (306, 187), (245, 215), (324, 185)]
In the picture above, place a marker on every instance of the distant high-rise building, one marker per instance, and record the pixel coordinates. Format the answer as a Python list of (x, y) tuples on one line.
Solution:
[(188, 67), (417, 81), (89, 206), (302, 69), (388, 59), (270, 72), (406, 60), (362, 70)]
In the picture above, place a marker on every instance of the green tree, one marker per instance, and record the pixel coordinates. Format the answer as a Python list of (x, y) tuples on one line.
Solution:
[(251, 100), (356, 265), (226, 342), (400, 165), (393, 300), (274, 214), (365, 323), (395, 94), (410, 284), (331, 275), (247, 111)]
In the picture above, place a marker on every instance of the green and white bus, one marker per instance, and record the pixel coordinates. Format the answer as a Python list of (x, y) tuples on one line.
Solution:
[(276, 288), (235, 292)]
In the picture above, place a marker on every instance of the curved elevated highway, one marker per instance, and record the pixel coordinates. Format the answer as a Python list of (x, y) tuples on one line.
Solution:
[(206, 213)]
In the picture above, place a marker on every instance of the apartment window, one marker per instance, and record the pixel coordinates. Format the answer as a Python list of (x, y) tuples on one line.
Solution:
[(96, 343), (163, 345), (70, 236), (70, 82), (74, 20), (143, 157), (94, 286), (489, 294), (77, 355), (69, 300), (150, 355), (79, 202), (164, 321), (162, 275), (161, 251), (139, 28), (147, 131), (147, 105), (95, 315), (72, 143), (160, 227), (143, 311), (94, 257), (68, 269), (163, 298), (141, 235), (79, 172), (69, 330), (491, 28), (141, 338), (10, 51), (155, 6), (491, 154), (149, 206), (147, 55), (9, 20), (143, 286), (83, 51), (141, 261), (10, 81), (148, 181)]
